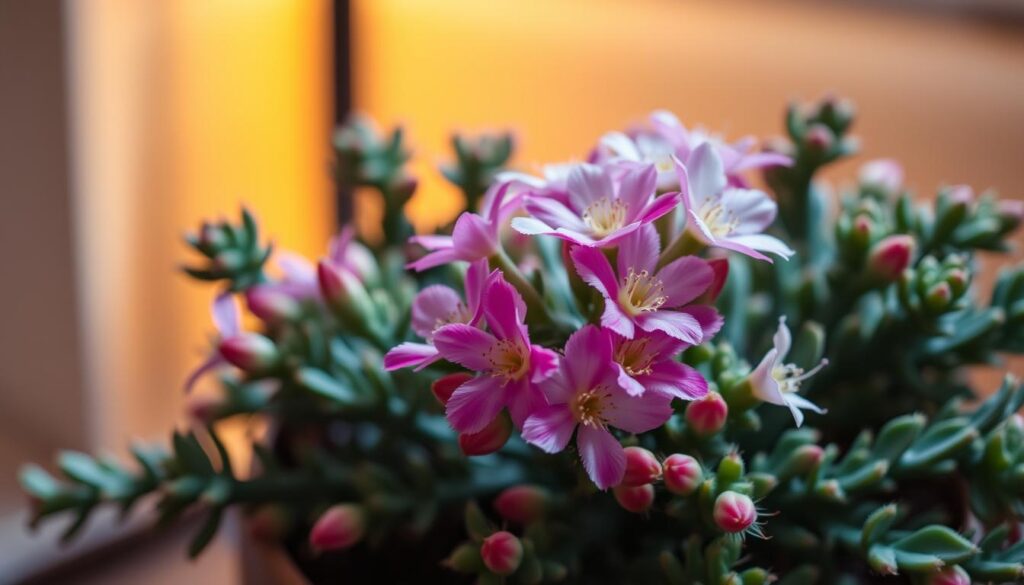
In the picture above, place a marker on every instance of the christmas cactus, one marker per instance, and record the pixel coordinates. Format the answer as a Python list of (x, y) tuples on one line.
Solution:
[(642, 368)]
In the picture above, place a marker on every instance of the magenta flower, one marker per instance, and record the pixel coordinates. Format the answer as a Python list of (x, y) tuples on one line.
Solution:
[(723, 216), (228, 324), (585, 397), (604, 205), (474, 236), (647, 363), (434, 307), (642, 297), (510, 367)]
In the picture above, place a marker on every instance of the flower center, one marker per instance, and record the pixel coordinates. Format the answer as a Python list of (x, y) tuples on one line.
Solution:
[(641, 292), (587, 407), (790, 376), (720, 220), (509, 360), (460, 314), (632, 355), (604, 216)]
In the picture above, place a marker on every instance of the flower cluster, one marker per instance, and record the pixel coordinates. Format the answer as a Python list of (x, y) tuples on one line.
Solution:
[(632, 221)]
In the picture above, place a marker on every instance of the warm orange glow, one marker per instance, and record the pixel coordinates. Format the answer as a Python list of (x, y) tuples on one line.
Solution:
[(185, 110)]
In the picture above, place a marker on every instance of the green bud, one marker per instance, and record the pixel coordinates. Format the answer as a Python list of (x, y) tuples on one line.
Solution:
[(465, 559)]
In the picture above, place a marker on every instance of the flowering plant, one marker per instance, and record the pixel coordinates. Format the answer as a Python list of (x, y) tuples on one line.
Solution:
[(581, 382)]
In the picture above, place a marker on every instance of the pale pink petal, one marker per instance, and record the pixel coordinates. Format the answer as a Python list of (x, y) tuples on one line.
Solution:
[(706, 174), (530, 226), (338, 245), (504, 310), (685, 279), (476, 280), (638, 414), (628, 383), (473, 237), (593, 267), (762, 242), (795, 402), (433, 305), (225, 315), (409, 354), (494, 203), (710, 319), (475, 403), (732, 244), (549, 428), (553, 213), (639, 251), (432, 242), (613, 318), (465, 345), (587, 184), (558, 389), (760, 160), (442, 256), (661, 205), (677, 380), (602, 456), (679, 325), (543, 363), (621, 146), (782, 340), (763, 384), (753, 209), (636, 187), (588, 356)]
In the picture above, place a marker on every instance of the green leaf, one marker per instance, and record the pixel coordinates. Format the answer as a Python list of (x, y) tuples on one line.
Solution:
[(877, 525), (190, 454), (206, 533), (882, 559), (939, 442), (896, 436), (84, 469), (477, 525), (38, 482), (937, 541), (320, 382)]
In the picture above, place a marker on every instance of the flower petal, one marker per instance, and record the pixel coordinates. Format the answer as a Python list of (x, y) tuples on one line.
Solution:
[(211, 363), (764, 243), (475, 282), (782, 340), (593, 267), (763, 385), (408, 354), (505, 310), (677, 380), (639, 251), (710, 319), (432, 305), (706, 173), (475, 404), (553, 213), (436, 258), (225, 315), (685, 279), (753, 209), (636, 187), (602, 456), (588, 357), (629, 383), (615, 319), (676, 324), (543, 363), (549, 428), (587, 184), (473, 237), (465, 345), (523, 399), (638, 414)]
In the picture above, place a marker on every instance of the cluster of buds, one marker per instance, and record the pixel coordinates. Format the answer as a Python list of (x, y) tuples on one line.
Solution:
[(233, 252), (478, 160), (499, 556), (934, 287)]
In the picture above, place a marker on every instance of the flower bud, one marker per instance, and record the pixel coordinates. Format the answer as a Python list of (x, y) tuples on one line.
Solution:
[(938, 297), (953, 575), (636, 499), (337, 284), (522, 504), (489, 439), (642, 467), (1011, 213), (341, 526), (884, 174), (682, 474), (202, 408), (445, 386), (820, 138), (502, 553), (706, 416), (734, 512), (272, 305), (891, 256), (250, 352), (960, 195)]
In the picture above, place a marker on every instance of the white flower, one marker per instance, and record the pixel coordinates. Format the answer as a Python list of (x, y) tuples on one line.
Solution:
[(777, 382)]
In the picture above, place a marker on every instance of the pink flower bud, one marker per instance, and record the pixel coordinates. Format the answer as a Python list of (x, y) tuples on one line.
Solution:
[(502, 553), (820, 138), (250, 352), (885, 174), (1011, 212), (807, 456), (202, 409), (734, 512), (642, 467), (938, 297), (489, 439), (706, 416), (522, 504), (961, 195), (953, 575), (682, 473), (338, 285), (272, 305), (636, 499), (341, 526), (891, 256), (445, 386)]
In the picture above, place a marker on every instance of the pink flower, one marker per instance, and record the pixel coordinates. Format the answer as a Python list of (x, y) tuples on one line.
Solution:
[(777, 382), (641, 297), (647, 362), (604, 205), (510, 368), (584, 396), (473, 238), (435, 306), (724, 216)]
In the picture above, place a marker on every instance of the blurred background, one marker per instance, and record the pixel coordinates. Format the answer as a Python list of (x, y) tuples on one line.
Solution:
[(123, 123)]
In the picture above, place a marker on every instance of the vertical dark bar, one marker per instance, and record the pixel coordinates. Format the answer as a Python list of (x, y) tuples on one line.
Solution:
[(342, 89)]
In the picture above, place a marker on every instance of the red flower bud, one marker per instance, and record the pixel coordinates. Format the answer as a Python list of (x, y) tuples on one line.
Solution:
[(636, 499), (734, 512), (489, 439), (642, 467), (682, 473), (949, 576), (272, 305), (250, 352), (891, 256), (341, 526), (445, 386), (522, 504), (719, 274), (706, 416), (502, 553)]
